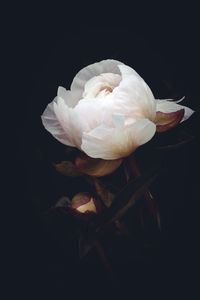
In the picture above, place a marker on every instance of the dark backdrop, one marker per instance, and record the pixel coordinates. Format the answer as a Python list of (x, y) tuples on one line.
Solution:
[(48, 46)]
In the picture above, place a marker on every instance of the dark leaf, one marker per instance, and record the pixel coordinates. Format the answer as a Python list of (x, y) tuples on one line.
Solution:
[(176, 140), (67, 168), (128, 196), (63, 202), (106, 196), (85, 243), (95, 166)]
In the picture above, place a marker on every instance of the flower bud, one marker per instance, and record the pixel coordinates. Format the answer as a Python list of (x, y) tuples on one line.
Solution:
[(83, 204)]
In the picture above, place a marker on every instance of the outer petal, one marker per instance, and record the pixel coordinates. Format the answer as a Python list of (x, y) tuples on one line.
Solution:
[(113, 143), (169, 106), (104, 66), (51, 123), (67, 96), (72, 123), (133, 96)]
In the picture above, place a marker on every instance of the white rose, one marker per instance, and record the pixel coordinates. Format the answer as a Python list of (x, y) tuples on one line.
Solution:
[(109, 111)]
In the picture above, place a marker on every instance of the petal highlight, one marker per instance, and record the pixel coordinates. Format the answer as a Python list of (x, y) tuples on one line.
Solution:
[(114, 143), (133, 96)]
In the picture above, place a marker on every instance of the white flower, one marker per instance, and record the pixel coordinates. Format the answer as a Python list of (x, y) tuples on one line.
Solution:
[(109, 111)]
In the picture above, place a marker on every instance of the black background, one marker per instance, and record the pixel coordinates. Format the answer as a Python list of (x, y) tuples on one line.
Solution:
[(47, 46)]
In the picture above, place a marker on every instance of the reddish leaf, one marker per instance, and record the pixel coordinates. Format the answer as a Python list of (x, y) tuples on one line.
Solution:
[(166, 121)]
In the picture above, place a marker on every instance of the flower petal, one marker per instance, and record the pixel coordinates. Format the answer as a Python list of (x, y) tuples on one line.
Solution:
[(95, 112), (72, 123), (118, 121), (114, 143), (96, 167), (133, 96), (101, 85), (67, 96), (166, 121), (104, 66), (91, 111), (51, 123), (169, 106)]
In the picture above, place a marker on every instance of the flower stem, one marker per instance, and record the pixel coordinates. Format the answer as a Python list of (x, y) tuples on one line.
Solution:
[(147, 195), (105, 261)]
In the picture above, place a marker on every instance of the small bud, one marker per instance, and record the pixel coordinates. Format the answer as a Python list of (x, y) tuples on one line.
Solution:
[(83, 204)]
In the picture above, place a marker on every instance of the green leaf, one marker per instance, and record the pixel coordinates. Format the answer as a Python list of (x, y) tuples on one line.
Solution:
[(67, 168)]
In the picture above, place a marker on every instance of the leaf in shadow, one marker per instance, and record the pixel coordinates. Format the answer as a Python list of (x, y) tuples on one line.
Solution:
[(95, 166), (86, 243), (63, 202), (175, 140), (67, 168), (104, 193), (128, 196)]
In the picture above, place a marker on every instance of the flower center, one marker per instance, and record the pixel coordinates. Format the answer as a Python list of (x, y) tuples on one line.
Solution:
[(102, 85)]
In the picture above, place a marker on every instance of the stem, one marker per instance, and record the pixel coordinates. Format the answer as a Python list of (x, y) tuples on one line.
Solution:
[(105, 261), (147, 195), (124, 230)]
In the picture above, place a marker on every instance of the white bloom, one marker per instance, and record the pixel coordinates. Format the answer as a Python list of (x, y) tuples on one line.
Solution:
[(109, 111)]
